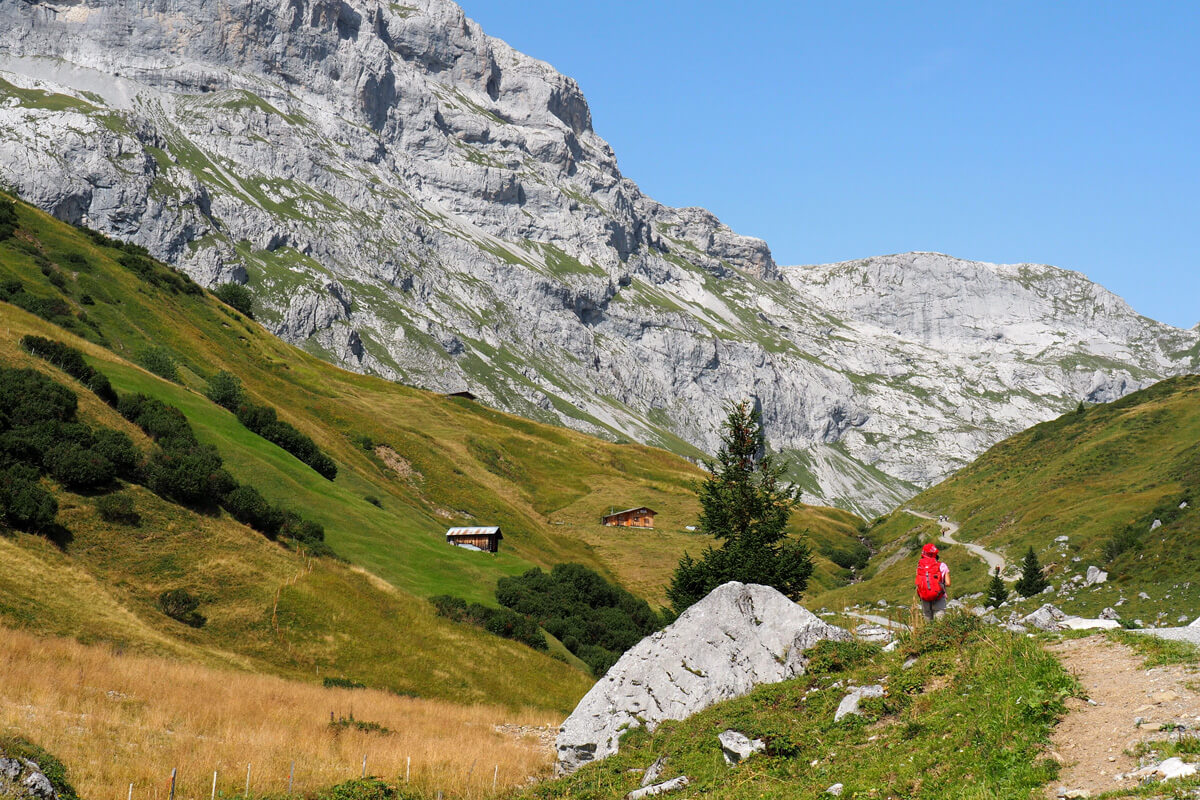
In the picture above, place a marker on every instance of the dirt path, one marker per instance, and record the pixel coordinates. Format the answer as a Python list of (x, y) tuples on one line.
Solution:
[(878, 620), (1092, 741), (993, 560)]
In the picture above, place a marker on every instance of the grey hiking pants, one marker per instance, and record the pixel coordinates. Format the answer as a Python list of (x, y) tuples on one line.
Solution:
[(933, 608)]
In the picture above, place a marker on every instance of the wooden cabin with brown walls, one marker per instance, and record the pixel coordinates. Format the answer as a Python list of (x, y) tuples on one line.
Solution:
[(640, 517), (484, 539)]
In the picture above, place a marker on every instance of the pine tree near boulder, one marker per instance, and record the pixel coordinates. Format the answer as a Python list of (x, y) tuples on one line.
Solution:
[(1032, 581), (997, 592), (746, 507)]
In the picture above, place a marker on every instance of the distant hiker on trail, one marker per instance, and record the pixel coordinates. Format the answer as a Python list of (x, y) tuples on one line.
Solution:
[(933, 577)]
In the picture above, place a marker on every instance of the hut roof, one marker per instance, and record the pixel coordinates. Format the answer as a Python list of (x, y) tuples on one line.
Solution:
[(493, 530), (631, 510)]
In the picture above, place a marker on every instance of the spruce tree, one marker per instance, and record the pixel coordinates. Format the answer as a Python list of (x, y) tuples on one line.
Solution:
[(1032, 581), (997, 592), (745, 506)]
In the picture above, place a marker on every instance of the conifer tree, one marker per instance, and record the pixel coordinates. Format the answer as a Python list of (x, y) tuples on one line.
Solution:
[(1032, 581), (745, 506), (997, 592)]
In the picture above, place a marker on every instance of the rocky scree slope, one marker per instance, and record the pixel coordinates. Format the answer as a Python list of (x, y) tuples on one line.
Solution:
[(412, 198)]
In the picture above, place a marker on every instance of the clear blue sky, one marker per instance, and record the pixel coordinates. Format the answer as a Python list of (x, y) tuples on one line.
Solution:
[(1065, 133)]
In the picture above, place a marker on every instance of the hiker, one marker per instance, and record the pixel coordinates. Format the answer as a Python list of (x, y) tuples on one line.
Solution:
[(933, 578)]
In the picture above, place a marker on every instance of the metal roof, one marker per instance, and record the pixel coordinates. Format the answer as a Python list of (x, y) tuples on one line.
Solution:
[(477, 531), (630, 511)]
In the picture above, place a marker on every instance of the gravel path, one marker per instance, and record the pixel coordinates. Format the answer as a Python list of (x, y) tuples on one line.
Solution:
[(878, 620), (993, 560)]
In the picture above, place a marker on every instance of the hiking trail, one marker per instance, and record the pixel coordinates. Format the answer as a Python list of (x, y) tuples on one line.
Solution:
[(993, 560), (1093, 742)]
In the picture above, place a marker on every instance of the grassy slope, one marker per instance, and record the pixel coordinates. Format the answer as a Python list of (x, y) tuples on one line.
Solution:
[(1084, 476), (460, 463), (913, 743)]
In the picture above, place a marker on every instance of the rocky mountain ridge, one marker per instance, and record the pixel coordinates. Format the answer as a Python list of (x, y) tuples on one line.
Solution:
[(410, 197)]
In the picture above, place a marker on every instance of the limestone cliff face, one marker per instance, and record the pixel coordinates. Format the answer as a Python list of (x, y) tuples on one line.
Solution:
[(410, 197)]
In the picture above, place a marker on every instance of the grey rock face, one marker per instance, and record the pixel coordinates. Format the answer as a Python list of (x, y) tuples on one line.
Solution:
[(1110, 613), (736, 638), (659, 788), (1095, 575), (412, 198)]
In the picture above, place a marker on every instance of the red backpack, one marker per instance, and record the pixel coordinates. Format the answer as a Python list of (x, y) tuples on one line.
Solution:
[(929, 579)]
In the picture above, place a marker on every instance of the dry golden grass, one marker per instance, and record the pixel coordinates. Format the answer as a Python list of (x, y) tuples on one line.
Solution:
[(116, 719)]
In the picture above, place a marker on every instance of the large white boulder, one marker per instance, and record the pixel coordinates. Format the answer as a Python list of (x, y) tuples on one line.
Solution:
[(739, 636)]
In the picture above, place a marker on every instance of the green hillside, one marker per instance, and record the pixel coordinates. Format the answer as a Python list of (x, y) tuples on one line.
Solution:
[(409, 464), (1100, 476)]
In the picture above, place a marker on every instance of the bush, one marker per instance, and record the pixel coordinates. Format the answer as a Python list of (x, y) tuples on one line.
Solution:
[(579, 607), (78, 467), (179, 604), (249, 507), (71, 361), (137, 260), (830, 656), (373, 500), (52, 310), (160, 361), (225, 389), (30, 397), (361, 789), (8, 218), (120, 451), (163, 423), (499, 621), (236, 296), (192, 475), (117, 508), (263, 421), (24, 504), (342, 683)]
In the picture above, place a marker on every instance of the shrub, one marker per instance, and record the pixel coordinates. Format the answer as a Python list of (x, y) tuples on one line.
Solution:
[(137, 260), (830, 656), (8, 218), (360, 789), (225, 389), (179, 604), (117, 508), (373, 500), (263, 421), (29, 396), (164, 423), (120, 451), (192, 475), (23, 502), (499, 621), (236, 296), (249, 507), (160, 361), (78, 467), (70, 361), (342, 683)]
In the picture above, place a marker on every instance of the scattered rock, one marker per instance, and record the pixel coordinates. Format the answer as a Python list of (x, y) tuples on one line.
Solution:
[(737, 747), (1156, 524), (1061, 539), (1175, 768), (875, 634), (887, 648), (659, 788), (1110, 613), (1049, 589), (22, 779), (882, 604), (849, 704), (1046, 618), (1143, 596), (1095, 575), (835, 790), (1164, 697), (1085, 624), (736, 638), (1195, 623), (653, 771)]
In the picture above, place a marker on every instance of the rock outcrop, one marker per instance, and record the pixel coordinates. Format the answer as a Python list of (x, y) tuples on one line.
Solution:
[(22, 779), (410, 197), (736, 638)]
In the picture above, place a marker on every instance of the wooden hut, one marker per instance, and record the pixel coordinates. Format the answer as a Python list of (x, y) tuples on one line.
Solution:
[(640, 517), (485, 539)]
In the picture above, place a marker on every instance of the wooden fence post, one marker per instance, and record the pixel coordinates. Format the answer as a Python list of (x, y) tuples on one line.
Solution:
[(131, 791), (495, 776), (247, 792), (407, 767), (213, 796), (291, 776), (172, 795), (364, 769)]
